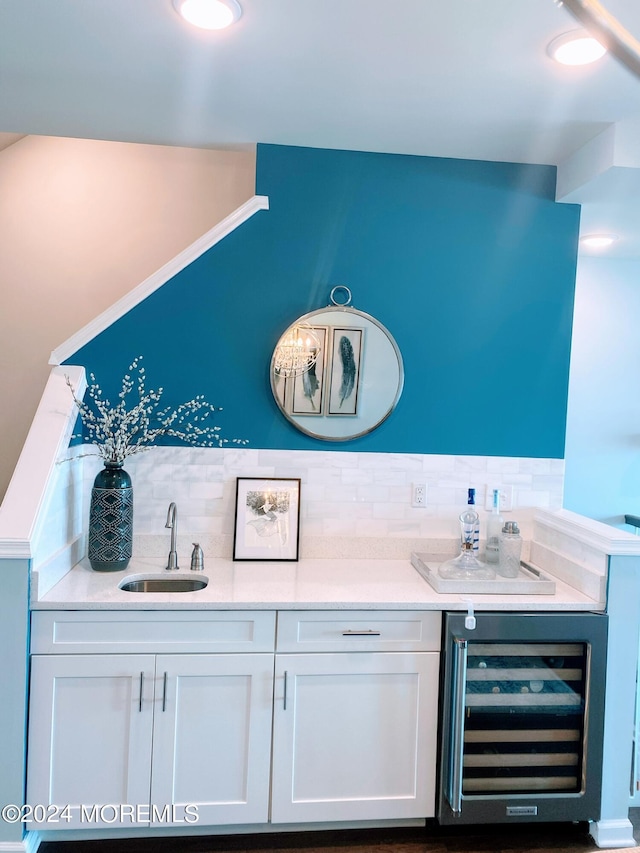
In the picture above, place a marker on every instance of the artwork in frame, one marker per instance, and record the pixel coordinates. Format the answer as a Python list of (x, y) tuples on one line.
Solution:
[(346, 353), (267, 523), (280, 389), (309, 387)]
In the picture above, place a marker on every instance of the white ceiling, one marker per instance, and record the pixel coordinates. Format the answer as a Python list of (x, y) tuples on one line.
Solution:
[(458, 78)]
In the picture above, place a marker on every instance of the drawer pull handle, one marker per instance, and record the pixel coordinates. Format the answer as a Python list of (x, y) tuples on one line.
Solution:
[(367, 633), (140, 699), (164, 693), (284, 702)]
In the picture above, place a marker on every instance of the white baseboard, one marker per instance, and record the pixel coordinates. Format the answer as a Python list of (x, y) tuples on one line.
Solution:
[(613, 834), (29, 844)]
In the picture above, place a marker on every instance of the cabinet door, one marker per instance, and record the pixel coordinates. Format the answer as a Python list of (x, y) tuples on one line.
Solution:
[(212, 737), (354, 736), (90, 731)]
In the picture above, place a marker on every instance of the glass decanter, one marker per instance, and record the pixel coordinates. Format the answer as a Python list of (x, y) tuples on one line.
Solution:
[(466, 566)]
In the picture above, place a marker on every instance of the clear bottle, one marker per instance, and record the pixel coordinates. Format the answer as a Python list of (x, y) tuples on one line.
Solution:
[(510, 550), (471, 501), (495, 523)]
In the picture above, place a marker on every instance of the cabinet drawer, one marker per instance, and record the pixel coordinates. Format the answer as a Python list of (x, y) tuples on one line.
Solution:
[(113, 632), (358, 630)]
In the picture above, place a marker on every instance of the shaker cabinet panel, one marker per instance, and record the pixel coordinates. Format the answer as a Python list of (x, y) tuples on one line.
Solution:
[(354, 736), (359, 631), (212, 736), (57, 632), (154, 733), (90, 733)]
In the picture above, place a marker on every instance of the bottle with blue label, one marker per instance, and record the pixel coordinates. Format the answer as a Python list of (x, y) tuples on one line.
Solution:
[(471, 501)]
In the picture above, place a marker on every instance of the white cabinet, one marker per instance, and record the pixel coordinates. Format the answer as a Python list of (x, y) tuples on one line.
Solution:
[(212, 735), (156, 711), (355, 731), (90, 731), (153, 733)]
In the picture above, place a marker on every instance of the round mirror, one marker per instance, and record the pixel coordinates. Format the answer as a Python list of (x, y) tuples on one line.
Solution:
[(336, 373)]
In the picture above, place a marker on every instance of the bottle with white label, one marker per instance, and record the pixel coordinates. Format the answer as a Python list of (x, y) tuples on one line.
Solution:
[(495, 523)]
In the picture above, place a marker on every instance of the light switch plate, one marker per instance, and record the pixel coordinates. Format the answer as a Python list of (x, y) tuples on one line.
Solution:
[(506, 497)]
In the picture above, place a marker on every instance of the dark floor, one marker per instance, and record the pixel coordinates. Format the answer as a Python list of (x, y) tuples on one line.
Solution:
[(525, 838)]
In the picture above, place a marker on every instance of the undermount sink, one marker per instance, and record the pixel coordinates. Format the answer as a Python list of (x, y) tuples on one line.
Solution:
[(167, 584)]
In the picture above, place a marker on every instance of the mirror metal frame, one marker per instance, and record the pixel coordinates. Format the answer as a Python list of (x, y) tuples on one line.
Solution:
[(345, 310)]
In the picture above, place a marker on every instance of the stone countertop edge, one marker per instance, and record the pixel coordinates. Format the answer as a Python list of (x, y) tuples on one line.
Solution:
[(308, 584)]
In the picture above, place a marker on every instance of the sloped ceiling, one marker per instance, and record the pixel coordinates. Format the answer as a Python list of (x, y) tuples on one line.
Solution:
[(7, 139), (461, 78)]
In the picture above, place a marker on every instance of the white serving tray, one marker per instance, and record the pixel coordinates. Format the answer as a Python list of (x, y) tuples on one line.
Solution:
[(530, 581)]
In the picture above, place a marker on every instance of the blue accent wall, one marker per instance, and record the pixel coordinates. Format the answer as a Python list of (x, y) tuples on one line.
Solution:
[(469, 264)]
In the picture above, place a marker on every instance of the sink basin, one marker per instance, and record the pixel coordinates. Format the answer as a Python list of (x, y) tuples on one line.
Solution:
[(161, 584)]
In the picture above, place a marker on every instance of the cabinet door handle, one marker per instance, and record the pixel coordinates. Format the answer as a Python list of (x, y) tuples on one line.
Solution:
[(369, 632), (284, 702), (164, 692), (457, 725), (140, 699)]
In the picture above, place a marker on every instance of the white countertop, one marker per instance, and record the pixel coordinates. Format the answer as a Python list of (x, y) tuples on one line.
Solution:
[(310, 584)]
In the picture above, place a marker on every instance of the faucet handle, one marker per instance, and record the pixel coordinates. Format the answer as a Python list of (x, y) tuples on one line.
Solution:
[(197, 558)]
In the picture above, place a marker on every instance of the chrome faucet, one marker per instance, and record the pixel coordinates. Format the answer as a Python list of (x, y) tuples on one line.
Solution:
[(172, 522)]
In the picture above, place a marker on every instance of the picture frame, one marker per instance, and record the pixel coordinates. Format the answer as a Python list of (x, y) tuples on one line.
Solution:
[(346, 355), (309, 387), (267, 519)]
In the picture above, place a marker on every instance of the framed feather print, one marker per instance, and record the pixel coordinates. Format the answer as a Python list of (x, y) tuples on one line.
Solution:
[(346, 355), (309, 387)]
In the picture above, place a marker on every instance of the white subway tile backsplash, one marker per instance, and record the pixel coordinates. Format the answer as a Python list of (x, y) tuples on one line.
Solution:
[(345, 495), (388, 511), (357, 476), (206, 490), (323, 475), (383, 494), (503, 465)]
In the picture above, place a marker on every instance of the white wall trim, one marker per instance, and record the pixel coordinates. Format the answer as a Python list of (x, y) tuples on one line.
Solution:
[(16, 847), (601, 537), (160, 277), (44, 577), (613, 835), (46, 444)]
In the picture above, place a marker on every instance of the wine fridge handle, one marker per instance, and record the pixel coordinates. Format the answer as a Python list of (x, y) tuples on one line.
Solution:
[(457, 728)]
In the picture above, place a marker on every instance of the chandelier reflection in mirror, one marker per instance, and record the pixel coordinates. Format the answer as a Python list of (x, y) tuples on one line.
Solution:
[(297, 351)]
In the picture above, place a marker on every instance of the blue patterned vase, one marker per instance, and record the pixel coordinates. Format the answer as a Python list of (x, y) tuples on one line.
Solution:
[(111, 519)]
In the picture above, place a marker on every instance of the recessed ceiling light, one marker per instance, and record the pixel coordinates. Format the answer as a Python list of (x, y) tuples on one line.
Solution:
[(209, 14), (575, 48), (598, 241)]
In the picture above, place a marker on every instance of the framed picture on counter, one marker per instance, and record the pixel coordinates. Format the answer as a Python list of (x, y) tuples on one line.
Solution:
[(267, 521)]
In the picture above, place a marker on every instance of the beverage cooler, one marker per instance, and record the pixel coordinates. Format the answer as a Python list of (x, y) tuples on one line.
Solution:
[(522, 717)]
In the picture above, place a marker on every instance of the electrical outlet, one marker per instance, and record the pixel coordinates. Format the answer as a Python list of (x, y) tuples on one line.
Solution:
[(419, 495), (506, 498)]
